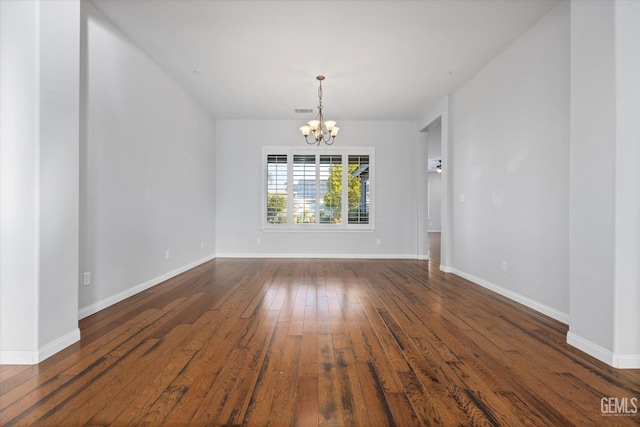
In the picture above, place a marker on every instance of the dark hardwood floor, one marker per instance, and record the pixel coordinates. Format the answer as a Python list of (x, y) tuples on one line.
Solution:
[(311, 342)]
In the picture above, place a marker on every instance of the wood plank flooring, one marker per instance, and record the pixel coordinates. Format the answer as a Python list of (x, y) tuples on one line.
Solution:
[(309, 342)]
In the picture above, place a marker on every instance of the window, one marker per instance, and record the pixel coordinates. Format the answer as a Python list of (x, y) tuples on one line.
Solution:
[(331, 189), (309, 189), (277, 189), (359, 188), (304, 189)]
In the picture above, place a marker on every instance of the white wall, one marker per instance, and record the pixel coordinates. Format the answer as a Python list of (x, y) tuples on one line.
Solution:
[(147, 169), (627, 294), (18, 178), (39, 110), (239, 191), (59, 170), (605, 205), (592, 193), (510, 161)]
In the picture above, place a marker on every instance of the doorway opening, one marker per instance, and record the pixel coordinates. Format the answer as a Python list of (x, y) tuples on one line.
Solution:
[(434, 210), (434, 187)]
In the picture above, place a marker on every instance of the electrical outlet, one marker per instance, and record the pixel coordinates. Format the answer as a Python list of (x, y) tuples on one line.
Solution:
[(258, 240), (167, 254), (378, 241), (86, 280), (201, 245), (504, 266)]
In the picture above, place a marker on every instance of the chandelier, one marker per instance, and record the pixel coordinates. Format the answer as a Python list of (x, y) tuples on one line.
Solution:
[(322, 131)]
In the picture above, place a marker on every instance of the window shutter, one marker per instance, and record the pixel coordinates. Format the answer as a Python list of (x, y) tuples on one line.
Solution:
[(316, 189), (304, 189), (330, 196), (277, 169), (359, 189)]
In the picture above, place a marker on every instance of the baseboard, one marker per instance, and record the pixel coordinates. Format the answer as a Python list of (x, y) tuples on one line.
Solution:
[(59, 344), (327, 256), (533, 304), (107, 302), (446, 269), (8, 357), (620, 361), (626, 361)]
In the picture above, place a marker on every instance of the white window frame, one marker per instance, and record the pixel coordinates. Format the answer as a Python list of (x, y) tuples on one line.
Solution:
[(317, 226)]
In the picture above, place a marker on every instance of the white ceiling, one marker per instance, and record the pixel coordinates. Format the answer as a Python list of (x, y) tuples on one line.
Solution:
[(383, 60)]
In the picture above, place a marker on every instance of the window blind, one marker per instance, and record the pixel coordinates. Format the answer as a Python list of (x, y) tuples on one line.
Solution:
[(277, 172), (359, 189)]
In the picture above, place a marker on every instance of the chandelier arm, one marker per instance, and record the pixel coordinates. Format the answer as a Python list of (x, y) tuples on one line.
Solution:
[(306, 138)]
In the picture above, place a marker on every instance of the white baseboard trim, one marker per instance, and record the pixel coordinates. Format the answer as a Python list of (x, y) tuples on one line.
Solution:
[(535, 305), (102, 304), (59, 344), (327, 256), (18, 357), (620, 361), (626, 361), (8, 357), (446, 269)]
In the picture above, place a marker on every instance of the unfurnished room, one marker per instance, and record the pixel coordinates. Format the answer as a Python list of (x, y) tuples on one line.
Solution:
[(305, 213)]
